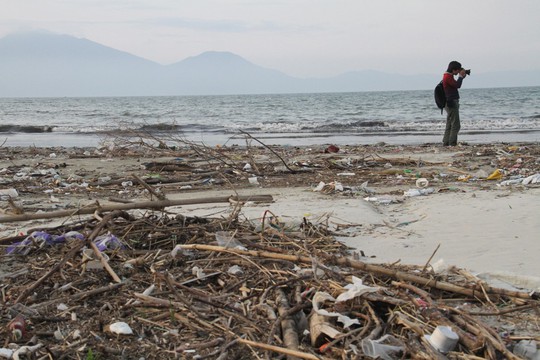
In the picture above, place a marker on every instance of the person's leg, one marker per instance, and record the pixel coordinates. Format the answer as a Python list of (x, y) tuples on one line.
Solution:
[(448, 128), (455, 125)]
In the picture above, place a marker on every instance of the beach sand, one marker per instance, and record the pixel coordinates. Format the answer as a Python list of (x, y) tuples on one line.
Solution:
[(467, 221)]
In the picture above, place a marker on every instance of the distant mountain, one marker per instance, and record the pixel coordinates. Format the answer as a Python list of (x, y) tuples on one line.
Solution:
[(226, 73), (44, 64)]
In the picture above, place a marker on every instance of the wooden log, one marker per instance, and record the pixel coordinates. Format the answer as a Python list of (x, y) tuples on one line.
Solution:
[(288, 327), (320, 329), (138, 205)]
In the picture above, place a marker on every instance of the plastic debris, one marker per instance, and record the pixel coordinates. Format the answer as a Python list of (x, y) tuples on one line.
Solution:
[(527, 349), (6, 194), (17, 326), (357, 288), (496, 175), (224, 239), (235, 270), (443, 339), (520, 180), (6, 353), (108, 242), (386, 348), (418, 192), (37, 239), (331, 149), (120, 328), (384, 200), (533, 179), (422, 183)]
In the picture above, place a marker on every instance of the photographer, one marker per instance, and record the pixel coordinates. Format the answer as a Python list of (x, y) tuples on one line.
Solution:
[(451, 86)]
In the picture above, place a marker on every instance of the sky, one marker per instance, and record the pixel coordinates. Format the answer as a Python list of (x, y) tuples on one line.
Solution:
[(302, 38)]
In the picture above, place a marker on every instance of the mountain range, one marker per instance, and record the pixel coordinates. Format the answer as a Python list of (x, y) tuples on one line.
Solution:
[(43, 64)]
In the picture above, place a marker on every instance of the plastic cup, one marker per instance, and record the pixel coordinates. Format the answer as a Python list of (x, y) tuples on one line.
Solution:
[(443, 339), (375, 350)]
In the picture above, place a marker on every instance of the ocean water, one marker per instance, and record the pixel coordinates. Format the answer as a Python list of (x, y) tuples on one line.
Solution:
[(406, 117)]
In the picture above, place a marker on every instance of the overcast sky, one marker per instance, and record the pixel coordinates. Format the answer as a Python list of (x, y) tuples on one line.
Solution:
[(304, 38)]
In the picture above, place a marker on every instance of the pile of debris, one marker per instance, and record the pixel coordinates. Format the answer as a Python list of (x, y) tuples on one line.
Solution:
[(153, 286), (134, 281)]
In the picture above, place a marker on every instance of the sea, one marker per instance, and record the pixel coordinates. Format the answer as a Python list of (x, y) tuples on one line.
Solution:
[(392, 117)]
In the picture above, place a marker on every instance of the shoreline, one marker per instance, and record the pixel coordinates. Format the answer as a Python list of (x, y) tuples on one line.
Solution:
[(54, 139)]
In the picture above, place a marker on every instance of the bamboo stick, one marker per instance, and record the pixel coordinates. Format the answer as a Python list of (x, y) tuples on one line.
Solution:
[(139, 205), (377, 269), (279, 349), (104, 262)]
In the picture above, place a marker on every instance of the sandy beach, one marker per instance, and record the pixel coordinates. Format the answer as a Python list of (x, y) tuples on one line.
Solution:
[(486, 226), (193, 251)]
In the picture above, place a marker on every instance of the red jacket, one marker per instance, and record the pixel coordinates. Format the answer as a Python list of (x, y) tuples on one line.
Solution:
[(451, 86)]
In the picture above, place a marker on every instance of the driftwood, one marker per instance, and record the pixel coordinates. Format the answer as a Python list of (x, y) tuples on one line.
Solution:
[(139, 205), (232, 314), (376, 269), (288, 326), (279, 349), (150, 189)]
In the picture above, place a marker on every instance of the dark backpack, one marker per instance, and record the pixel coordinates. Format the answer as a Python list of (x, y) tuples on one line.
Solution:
[(440, 96)]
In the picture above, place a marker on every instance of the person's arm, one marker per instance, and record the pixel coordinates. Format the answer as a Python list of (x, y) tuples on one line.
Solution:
[(449, 81)]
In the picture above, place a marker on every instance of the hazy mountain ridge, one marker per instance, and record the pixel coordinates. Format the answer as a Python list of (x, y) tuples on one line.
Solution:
[(44, 64)]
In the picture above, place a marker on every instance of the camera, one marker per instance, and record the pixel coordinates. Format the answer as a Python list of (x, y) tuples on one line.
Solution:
[(468, 72)]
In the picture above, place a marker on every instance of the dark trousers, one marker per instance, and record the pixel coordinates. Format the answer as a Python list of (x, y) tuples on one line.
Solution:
[(452, 123)]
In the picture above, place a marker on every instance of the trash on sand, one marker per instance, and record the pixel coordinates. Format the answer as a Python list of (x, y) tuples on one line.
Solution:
[(527, 349), (108, 242), (6, 353), (386, 348), (322, 297), (496, 175), (357, 288), (120, 328), (37, 239), (443, 339), (364, 187), (227, 240), (6, 194), (382, 200), (17, 326), (331, 149), (517, 180), (330, 187), (422, 183), (533, 179), (418, 192)]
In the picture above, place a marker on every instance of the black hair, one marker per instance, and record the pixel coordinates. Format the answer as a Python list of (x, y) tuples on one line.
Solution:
[(454, 65)]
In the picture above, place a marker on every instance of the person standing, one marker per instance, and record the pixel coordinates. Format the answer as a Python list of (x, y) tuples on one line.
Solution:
[(451, 86)]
